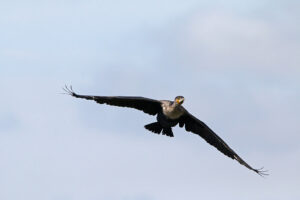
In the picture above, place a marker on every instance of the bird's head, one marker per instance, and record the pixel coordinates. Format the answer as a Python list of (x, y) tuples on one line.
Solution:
[(179, 100)]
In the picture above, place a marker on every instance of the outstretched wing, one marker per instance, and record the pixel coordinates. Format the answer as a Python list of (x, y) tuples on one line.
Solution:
[(192, 124), (149, 106)]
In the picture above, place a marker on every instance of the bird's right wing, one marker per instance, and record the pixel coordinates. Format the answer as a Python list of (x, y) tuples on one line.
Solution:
[(194, 125), (149, 106)]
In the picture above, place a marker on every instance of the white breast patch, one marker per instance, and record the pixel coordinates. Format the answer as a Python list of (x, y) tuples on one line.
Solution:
[(172, 112)]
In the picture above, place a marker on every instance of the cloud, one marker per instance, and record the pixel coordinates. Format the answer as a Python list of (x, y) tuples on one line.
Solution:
[(224, 40)]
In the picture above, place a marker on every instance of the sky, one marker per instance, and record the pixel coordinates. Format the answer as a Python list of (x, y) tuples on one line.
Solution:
[(235, 62)]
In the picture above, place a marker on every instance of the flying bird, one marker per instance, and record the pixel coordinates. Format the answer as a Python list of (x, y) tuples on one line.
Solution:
[(168, 114)]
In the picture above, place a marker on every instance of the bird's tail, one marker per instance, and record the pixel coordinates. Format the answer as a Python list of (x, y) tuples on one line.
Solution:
[(154, 127), (168, 132), (157, 128)]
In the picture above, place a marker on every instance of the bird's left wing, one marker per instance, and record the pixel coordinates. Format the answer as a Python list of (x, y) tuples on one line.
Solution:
[(149, 106), (192, 124)]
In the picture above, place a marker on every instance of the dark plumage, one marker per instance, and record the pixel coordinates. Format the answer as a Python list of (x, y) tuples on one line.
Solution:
[(169, 114)]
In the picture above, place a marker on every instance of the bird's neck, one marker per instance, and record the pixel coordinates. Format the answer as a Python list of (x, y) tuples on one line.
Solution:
[(175, 104)]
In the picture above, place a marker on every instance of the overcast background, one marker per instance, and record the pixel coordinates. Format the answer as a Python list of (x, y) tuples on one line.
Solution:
[(236, 63)]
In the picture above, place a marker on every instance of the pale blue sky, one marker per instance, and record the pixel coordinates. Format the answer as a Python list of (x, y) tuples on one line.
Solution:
[(236, 63)]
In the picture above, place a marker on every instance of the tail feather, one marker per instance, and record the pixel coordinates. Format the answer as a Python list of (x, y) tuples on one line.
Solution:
[(168, 132), (154, 127), (157, 128)]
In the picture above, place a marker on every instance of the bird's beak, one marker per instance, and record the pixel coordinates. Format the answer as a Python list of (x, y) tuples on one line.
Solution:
[(180, 101)]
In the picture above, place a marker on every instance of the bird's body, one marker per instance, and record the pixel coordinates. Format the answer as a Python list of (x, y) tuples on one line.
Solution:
[(168, 114), (168, 117), (172, 110)]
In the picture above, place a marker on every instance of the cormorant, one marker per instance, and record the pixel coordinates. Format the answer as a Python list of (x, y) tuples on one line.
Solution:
[(169, 114)]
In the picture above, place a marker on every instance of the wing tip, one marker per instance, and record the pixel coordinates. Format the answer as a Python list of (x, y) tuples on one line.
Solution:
[(261, 172), (69, 90)]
